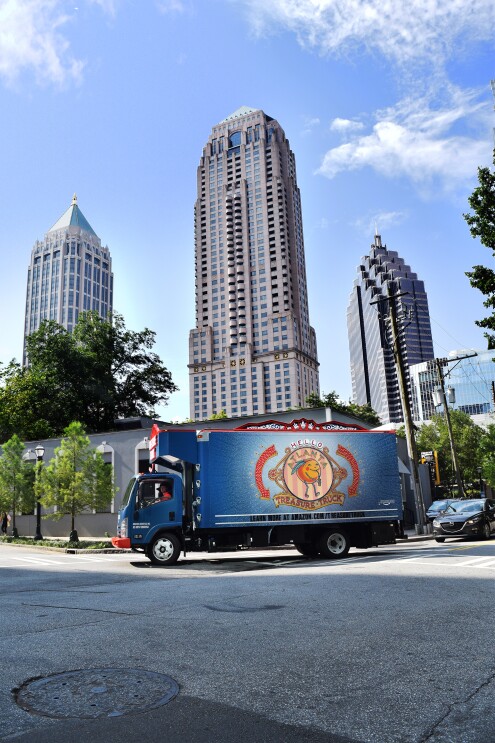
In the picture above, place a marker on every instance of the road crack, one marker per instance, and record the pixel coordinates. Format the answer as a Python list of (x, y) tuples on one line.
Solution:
[(451, 707)]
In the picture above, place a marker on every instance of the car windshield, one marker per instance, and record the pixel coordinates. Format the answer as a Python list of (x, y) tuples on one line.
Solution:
[(468, 507), (438, 505)]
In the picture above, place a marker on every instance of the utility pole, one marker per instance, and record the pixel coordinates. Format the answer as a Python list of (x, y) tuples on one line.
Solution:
[(406, 408), (441, 381)]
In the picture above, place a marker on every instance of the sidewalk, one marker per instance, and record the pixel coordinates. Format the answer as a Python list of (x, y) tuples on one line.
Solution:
[(411, 536)]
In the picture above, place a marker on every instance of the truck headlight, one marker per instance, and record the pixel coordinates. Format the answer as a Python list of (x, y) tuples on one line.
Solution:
[(123, 528)]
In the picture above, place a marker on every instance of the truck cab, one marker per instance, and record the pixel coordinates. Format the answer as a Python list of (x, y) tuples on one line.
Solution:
[(152, 515)]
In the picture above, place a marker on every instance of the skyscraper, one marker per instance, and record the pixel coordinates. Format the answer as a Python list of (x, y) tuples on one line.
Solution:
[(69, 272), (383, 274), (253, 350)]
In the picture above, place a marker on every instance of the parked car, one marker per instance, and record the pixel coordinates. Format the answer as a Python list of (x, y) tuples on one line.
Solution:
[(438, 507), (466, 518)]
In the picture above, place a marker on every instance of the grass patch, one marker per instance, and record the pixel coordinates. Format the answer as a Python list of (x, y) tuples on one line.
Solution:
[(60, 543)]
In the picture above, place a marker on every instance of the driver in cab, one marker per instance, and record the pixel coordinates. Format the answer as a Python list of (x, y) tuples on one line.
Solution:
[(164, 492)]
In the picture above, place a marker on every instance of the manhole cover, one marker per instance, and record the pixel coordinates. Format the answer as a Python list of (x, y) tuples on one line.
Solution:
[(98, 692)]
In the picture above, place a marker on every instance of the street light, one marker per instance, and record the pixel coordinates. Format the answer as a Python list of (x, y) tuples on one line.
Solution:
[(40, 453)]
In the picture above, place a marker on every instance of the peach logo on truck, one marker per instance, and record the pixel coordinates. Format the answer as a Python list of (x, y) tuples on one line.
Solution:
[(307, 475)]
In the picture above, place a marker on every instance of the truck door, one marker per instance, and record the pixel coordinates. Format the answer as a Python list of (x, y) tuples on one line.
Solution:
[(158, 504)]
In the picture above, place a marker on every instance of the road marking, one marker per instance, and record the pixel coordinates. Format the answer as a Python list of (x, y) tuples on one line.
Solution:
[(38, 560), (472, 562)]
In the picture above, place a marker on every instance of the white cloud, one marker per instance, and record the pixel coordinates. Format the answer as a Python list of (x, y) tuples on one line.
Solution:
[(417, 140), (309, 125), (108, 6), (401, 31), (369, 224), (172, 6), (345, 125), (30, 39)]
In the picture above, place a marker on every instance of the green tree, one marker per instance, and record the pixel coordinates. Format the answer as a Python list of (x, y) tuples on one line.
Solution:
[(76, 479), (482, 225), (100, 372), (487, 452), (222, 415), (467, 440), (332, 400), (16, 480)]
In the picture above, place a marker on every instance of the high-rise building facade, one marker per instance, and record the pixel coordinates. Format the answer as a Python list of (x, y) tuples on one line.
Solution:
[(383, 274), (469, 382), (70, 272), (253, 350)]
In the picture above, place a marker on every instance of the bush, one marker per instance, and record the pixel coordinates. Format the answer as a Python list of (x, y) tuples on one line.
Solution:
[(61, 544)]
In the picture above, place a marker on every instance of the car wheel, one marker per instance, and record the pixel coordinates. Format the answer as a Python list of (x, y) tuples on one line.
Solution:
[(334, 544), (308, 550), (486, 530), (439, 539), (164, 550)]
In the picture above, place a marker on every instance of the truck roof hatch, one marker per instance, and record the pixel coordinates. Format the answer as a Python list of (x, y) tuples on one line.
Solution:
[(171, 462)]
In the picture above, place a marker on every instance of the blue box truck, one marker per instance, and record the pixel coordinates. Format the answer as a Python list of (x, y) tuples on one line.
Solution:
[(321, 487)]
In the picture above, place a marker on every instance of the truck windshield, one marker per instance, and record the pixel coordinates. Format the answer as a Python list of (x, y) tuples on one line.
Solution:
[(128, 491)]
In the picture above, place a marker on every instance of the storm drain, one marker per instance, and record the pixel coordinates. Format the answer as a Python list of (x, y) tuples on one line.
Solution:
[(97, 692)]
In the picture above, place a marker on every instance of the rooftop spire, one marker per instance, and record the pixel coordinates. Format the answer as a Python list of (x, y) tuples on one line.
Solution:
[(73, 217)]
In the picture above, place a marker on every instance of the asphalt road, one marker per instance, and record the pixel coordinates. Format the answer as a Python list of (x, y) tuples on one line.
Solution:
[(392, 645)]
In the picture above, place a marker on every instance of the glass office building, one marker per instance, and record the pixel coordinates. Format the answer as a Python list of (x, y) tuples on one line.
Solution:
[(253, 350), (384, 277), (469, 384), (69, 272)]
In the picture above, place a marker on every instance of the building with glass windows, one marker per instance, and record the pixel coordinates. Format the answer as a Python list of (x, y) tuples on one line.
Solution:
[(383, 277), (469, 386), (253, 350), (70, 272)]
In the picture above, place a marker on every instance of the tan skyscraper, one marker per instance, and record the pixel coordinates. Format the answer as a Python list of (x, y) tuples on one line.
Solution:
[(253, 350)]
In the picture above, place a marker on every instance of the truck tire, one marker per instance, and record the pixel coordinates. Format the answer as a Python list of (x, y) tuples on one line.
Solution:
[(334, 543), (164, 550), (308, 550)]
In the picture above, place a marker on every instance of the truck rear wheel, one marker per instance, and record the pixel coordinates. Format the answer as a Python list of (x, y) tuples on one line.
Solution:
[(308, 550), (164, 550), (334, 544)]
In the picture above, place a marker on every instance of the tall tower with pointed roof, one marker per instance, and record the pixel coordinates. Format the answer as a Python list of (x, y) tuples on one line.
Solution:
[(253, 349), (70, 272), (383, 274)]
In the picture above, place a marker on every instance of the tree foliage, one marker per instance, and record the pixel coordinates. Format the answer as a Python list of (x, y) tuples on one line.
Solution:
[(332, 400), (482, 225), (221, 415), (16, 479), (467, 438), (76, 478), (98, 373), (487, 453)]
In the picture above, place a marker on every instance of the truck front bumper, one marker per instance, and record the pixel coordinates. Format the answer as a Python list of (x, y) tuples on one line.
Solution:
[(121, 542)]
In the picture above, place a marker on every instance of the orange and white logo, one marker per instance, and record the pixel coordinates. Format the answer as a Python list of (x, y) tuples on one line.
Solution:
[(307, 475)]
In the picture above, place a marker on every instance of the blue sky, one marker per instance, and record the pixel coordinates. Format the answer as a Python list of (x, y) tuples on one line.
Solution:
[(387, 106)]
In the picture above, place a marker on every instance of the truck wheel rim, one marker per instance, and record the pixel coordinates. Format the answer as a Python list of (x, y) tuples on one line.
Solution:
[(163, 549), (336, 544)]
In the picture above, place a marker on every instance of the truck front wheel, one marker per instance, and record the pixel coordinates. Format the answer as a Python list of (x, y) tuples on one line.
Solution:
[(164, 550), (334, 544)]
